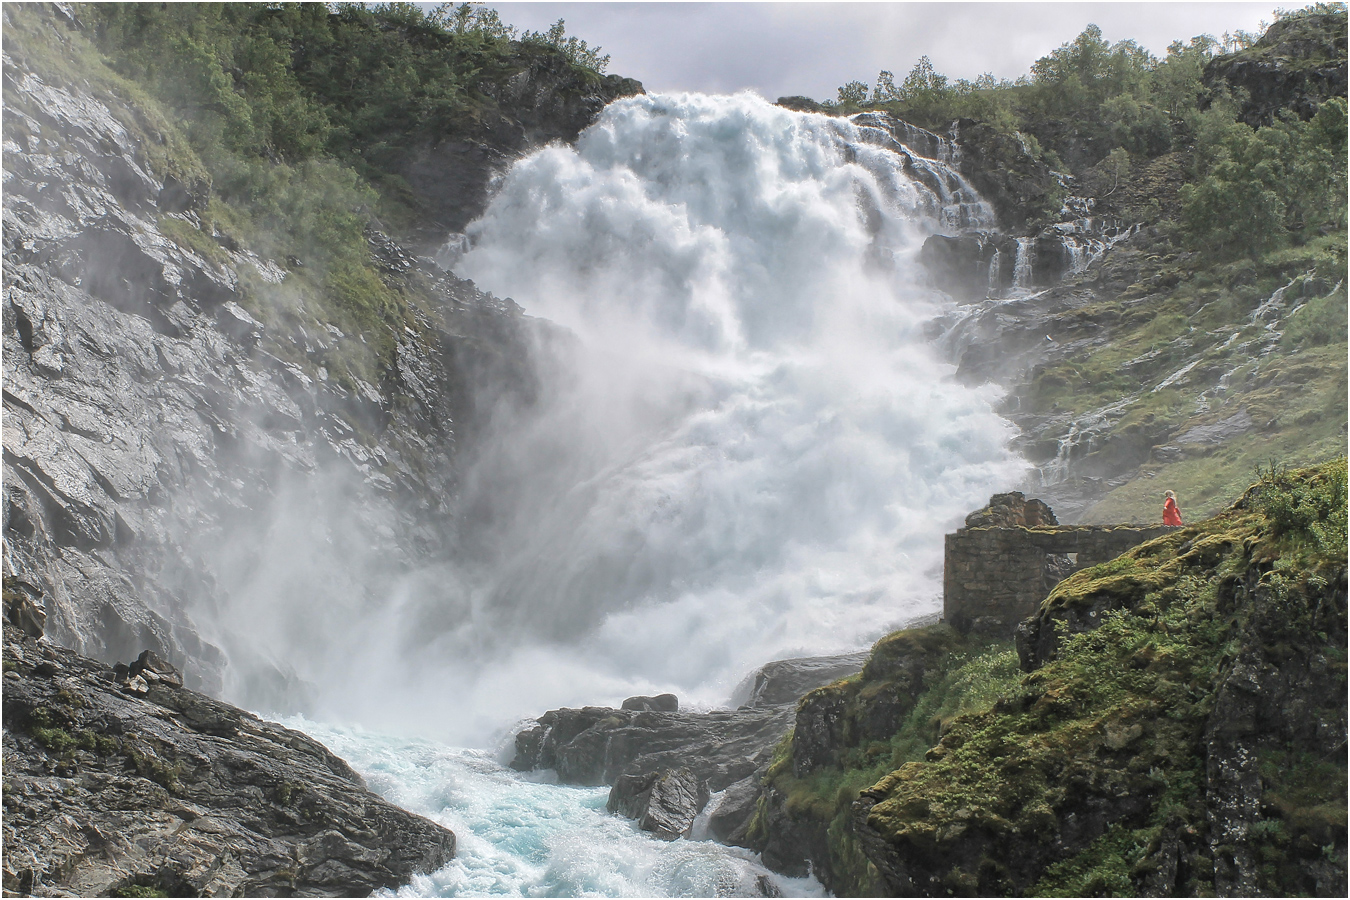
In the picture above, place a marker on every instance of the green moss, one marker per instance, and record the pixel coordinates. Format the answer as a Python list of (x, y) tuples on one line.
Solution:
[(140, 890), (287, 793), (958, 676), (1104, 869), (57, 740), (190, 237), (1121, 710), (147, 765)]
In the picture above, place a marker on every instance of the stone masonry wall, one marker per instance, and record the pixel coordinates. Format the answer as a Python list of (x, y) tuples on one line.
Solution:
[(994, 578)]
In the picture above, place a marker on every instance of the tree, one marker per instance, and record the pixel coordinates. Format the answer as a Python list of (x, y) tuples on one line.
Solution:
[(574, 48), (853, 94), (472, 19), (922, 81), (885, 91)]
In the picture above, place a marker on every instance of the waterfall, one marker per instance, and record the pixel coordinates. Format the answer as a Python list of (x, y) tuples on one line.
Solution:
[(742, 447), (995, 272), (1022, 263)]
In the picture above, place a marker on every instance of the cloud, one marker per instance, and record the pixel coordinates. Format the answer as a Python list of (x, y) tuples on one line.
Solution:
[(779, 49)]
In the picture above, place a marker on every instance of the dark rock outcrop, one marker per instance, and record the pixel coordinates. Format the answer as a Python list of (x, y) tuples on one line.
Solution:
[(730, 821), (546, 99), (725, 751), (786, 680), (113, 787), (1022, 189), (665, 802), (1299, 62), (659, 703), (595, 745), (830, 722), (1012, 510), (960, 264), (801, 104)]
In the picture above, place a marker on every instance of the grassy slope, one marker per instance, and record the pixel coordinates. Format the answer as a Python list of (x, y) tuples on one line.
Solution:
[(1286, 370), (1121, 711)]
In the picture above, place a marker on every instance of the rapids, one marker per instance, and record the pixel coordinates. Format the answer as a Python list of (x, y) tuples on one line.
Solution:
[(524, 838)]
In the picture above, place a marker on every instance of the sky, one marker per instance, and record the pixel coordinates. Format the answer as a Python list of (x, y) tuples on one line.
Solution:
[(810, 49)]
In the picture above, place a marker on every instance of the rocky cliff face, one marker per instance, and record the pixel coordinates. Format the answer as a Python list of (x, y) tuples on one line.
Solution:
[(168, 396), (149, 413), (1299, 62), (125, 783)]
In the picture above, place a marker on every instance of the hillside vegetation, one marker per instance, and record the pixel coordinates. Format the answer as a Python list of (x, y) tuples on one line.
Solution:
[(1214, 339), (1176, 727), (288, 128)]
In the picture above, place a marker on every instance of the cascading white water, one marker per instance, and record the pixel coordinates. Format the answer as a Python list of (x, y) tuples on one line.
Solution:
[(746, 451), (1022, 263), (763, 451), (995, 272)]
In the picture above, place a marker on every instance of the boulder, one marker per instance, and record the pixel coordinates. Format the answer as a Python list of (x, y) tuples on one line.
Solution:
[(595, 745), (1012, 510), (155, 670), (659, 703), (786, 680), (664, 802), (164, 790), (730, 821), (23, 606), (960, 264)]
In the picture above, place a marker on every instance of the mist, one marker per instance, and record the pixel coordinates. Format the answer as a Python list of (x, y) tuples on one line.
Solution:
[(740, 445)]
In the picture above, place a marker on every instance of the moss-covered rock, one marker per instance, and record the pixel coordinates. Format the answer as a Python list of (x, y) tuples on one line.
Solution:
[(1181, 730), (849, 734), (1299, 62)]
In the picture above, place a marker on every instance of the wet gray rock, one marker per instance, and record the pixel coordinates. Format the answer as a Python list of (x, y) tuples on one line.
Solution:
[(664, 802), (149, 415), (659, 703), (730, 821), (787, 680), (595, 745), (109, 790)]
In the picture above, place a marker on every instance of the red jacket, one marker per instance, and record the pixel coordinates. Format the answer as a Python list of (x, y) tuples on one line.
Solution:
[(1171, 515)]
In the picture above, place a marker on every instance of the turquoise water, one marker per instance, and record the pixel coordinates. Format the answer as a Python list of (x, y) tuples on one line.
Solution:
[(519, 836)]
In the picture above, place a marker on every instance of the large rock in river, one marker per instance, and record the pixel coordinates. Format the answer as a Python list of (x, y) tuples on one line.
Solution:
[(664, 803)]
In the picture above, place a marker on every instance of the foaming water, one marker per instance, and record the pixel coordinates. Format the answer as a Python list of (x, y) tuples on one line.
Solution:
[(741, 448), (520, 838), (766, 451)]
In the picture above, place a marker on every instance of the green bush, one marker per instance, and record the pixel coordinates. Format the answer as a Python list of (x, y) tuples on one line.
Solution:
[(1305, 507), (1261, 189), (1320, 321)]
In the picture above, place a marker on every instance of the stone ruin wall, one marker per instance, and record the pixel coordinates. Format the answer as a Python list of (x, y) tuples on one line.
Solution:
[(996, 575)]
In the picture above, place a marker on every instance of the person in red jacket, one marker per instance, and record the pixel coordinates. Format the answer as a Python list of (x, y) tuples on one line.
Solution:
[(1171, 515)]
